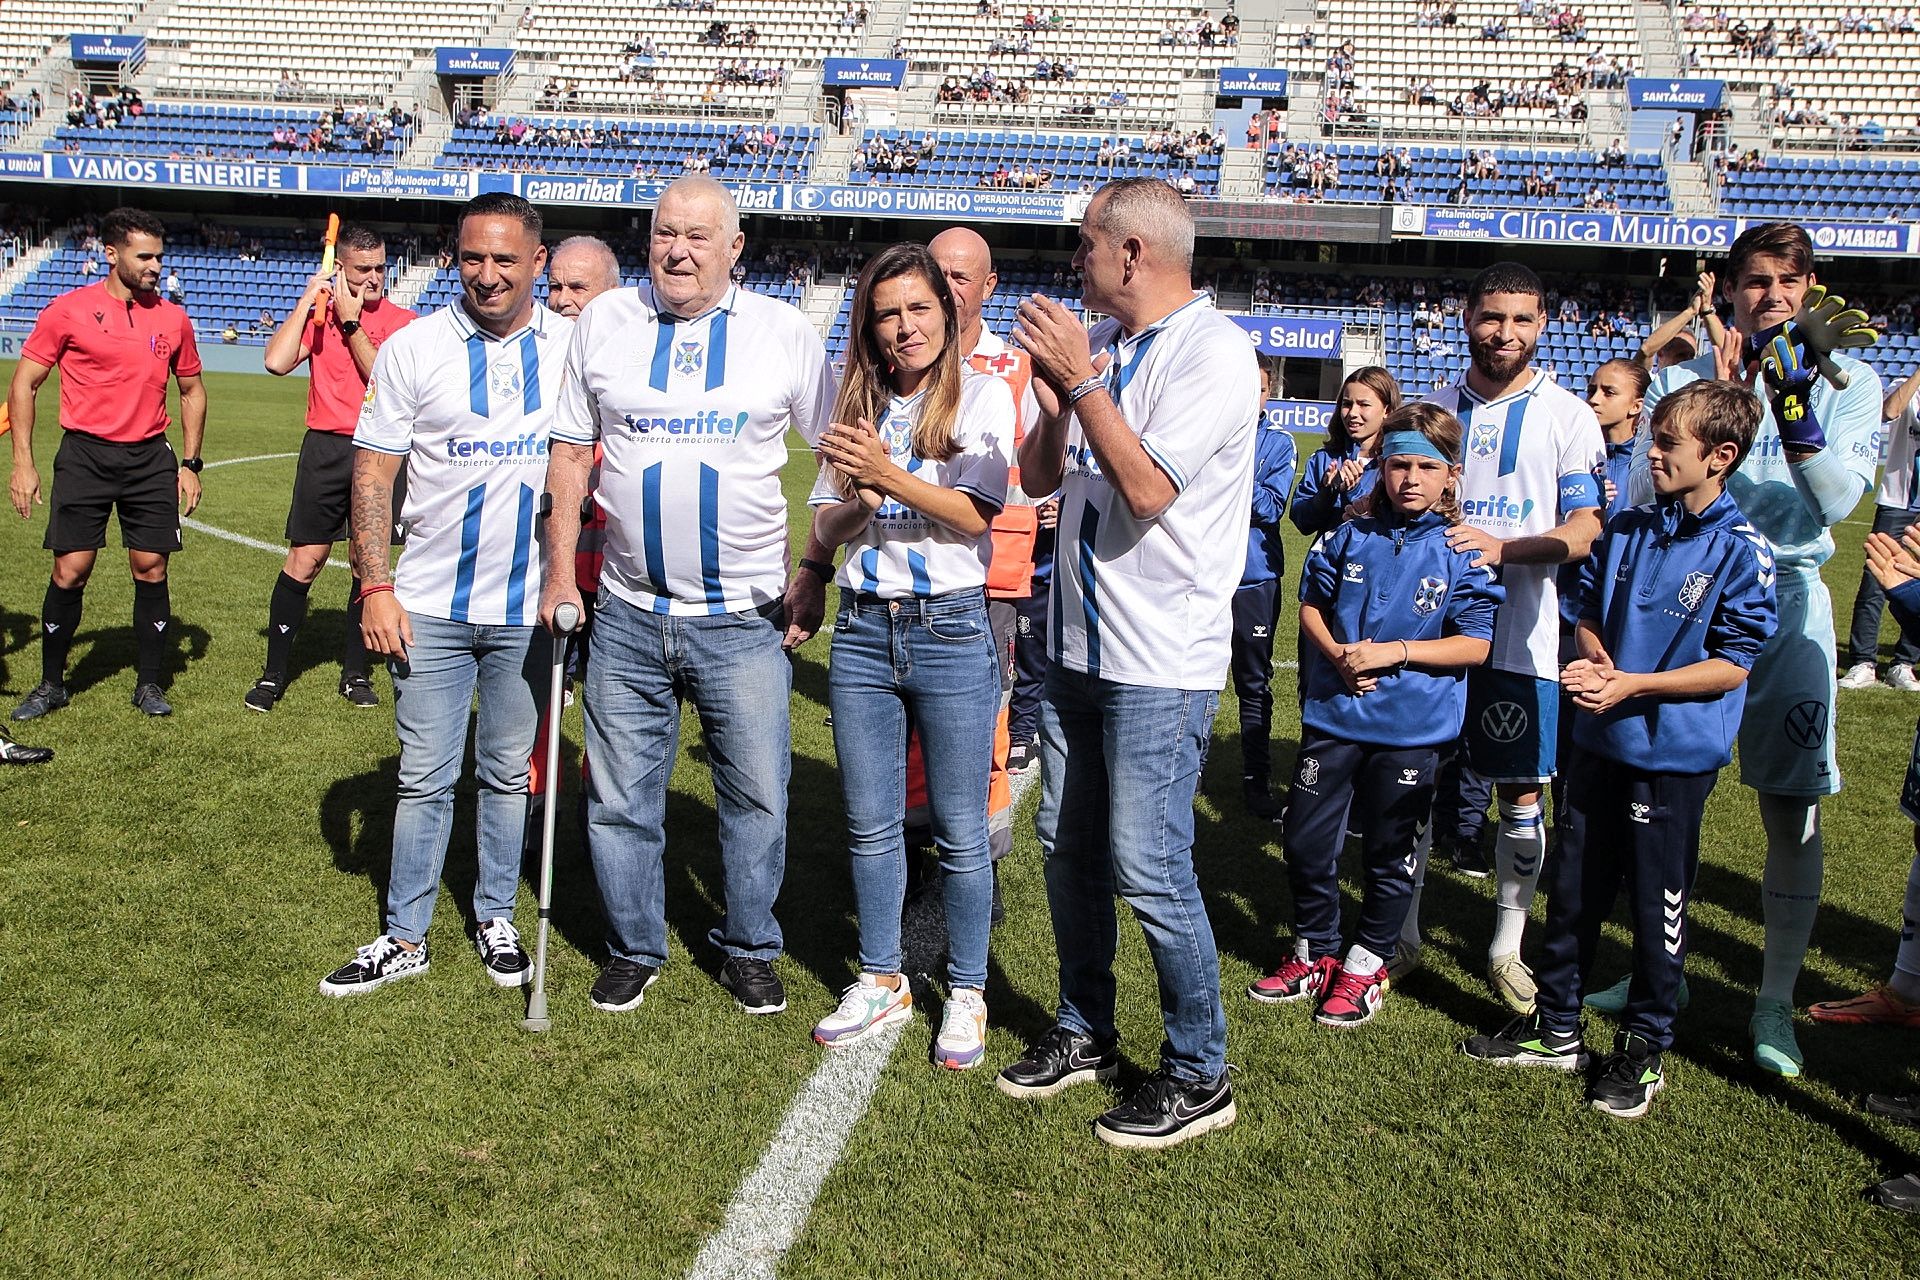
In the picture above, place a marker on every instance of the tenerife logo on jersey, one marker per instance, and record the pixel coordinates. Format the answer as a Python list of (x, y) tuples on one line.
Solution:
[(688, 357), (1309, 771), (1081, 462), (531, 447), (503, 379), (707, 426), (1428, 595), (1694, 590), (1499, 509), (1483, 441)]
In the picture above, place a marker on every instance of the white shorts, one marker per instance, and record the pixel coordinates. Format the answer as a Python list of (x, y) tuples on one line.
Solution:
[(1786, 731)]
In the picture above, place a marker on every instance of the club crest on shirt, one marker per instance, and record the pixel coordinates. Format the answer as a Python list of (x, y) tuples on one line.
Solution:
[(1429, 594), (688, 356), (1483, 441), (504, 379), (1309, 771), (162, 349), (1694, 590)]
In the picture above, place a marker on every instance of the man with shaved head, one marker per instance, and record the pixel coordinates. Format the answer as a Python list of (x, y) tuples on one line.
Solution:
[(688, 385), (1147, 429)]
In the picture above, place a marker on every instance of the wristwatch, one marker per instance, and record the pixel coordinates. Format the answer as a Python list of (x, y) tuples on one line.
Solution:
[(192, 464), (349, 327)]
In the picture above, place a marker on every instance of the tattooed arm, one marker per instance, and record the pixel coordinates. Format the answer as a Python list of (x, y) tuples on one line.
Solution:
[(383, 623)]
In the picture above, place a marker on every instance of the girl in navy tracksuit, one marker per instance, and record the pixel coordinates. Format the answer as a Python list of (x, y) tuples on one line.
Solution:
[(1676, 602), (1256, 604), (1343, 471), (1391, 617)]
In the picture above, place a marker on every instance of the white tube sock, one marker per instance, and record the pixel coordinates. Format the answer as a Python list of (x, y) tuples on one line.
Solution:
[(1518, 850)]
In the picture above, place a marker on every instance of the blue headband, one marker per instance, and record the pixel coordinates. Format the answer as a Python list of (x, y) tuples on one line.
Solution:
[(1411, 442)]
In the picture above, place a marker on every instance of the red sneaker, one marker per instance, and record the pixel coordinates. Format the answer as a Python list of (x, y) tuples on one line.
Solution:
[(1297, 979), (1353, 1000)]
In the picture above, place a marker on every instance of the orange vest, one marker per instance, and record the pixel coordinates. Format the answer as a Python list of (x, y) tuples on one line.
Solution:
[(1010, 572)]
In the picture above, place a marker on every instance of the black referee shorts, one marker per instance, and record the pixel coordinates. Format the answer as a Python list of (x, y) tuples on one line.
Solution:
[(323, 491), (92, 476)]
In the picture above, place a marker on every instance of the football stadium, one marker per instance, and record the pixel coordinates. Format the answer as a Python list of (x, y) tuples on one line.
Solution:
[(1678, 243)]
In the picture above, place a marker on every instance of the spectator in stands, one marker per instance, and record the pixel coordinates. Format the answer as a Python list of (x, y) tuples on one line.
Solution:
[(1902, 22), (266, 323), (1615, 155), (1494, 28), (289, 86), (1460, 195), (176, 291)]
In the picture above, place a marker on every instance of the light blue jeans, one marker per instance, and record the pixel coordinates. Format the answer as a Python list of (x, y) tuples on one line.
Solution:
[(1120, 765), (731, 668), (433, 698), (927, 665)]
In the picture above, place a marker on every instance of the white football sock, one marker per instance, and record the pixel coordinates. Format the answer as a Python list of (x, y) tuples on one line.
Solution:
[(1518, 850), (1906, 961)]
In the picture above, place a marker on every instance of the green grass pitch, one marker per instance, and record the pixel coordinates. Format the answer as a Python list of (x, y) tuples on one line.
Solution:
[(180, 1101)]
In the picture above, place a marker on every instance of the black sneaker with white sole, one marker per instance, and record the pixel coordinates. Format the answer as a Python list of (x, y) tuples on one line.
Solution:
[(12, 752), (45, 697), (755, 986), (1021, 757), (498, 943), (622, 985), (265, 694), (373, 966), (1165, 1111), (1525, 1043), (1628, 1078), (358, 690), (1057, 1061)]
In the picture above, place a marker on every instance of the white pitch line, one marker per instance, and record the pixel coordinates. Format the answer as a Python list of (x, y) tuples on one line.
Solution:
[(214, 531), (771, 1207)]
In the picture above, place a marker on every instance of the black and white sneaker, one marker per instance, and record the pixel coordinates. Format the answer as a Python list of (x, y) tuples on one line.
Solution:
[(1628, 1078), (1525, 1043), (149, 701), (622, 985), (46, 697), (265, 694), (381, 961), (1020, 757), (1470, 860), (12, 752), (498, 943), (1164, 1112), (358, 690), (755, 986), (1059, 1060)]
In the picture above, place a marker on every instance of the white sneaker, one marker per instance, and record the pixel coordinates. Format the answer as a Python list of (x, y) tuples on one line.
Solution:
[(1512, 981), (865, 1007), (1901, 677), (1861, 676), (962, 1041), (373, 966)]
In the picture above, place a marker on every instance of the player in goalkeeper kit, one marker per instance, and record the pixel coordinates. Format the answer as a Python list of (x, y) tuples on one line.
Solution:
[(1813, 456)]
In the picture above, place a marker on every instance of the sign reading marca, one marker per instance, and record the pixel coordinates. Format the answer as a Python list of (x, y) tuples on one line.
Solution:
[(463, 60), (1861, 237), (863, 73), (1674, 95)]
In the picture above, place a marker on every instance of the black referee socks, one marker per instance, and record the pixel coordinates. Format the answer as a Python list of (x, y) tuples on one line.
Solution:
[(284, 616), (59, 619), (353, 646), (152, 615)]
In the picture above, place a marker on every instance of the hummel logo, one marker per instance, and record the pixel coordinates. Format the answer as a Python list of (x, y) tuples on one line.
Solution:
[(1259, 633), (1409, 777), (1639, 812)]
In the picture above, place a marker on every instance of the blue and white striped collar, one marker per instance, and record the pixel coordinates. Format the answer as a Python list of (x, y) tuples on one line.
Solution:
[(463, 324), (1469, 396), (1200, 300)]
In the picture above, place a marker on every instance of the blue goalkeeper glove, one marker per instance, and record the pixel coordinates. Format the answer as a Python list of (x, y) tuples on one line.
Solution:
[(1789, 369)]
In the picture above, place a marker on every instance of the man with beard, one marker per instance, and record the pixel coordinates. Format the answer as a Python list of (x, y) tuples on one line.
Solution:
[(1531, 499)]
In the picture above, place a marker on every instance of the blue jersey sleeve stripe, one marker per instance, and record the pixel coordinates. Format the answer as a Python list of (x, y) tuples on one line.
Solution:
[(1089, 585), (522, 557), (717, 351), (376, 448), (477, 377), (1510, 437), (1580, 491), (710, 539), (662, 353), (529, 376), (922, 580), (973, 492), (469, 552), (1165, 463), (650, 535)]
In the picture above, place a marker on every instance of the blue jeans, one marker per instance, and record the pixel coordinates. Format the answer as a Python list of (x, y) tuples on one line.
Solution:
[(731, 668), (1120, 764), (1863, 642), (433, 696), (929, 664)]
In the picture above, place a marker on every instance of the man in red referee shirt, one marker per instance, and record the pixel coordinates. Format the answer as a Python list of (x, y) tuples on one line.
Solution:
[(115, 343), (337, 343)]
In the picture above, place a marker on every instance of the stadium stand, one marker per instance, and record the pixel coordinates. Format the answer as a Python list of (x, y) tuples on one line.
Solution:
[(655, 148), (1425, 174), (1048, 161), (30, 31), (1846, 187), (244, 132)]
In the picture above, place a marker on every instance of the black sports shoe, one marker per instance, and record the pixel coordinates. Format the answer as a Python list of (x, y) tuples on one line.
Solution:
[(265, 694), (1259, 799), (1059, 1060), (1628, 1078), (373, 966), (1020, 757), (1470, 860), (498, 943), (755, 986), (1904, 1107), (44, 698), (997, 911), (150, 701), (358, 690), (1902, 1194), (1165, 1111), (12, 752), (1524, 1043), (622, 985)]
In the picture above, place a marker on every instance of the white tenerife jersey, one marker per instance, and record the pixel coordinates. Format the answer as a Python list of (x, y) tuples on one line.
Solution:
[(471, 415), (903, 554), (1531, 458), (692, 418), (1150, 602), (1764, 485)]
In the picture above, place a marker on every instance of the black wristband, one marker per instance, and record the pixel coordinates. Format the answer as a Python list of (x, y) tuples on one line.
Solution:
[(349, 327), (821, 569), (192, 464)]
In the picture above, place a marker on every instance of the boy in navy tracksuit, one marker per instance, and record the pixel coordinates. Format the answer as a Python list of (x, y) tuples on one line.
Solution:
[(1390, 617), (1676, 602), (1256, 607)]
